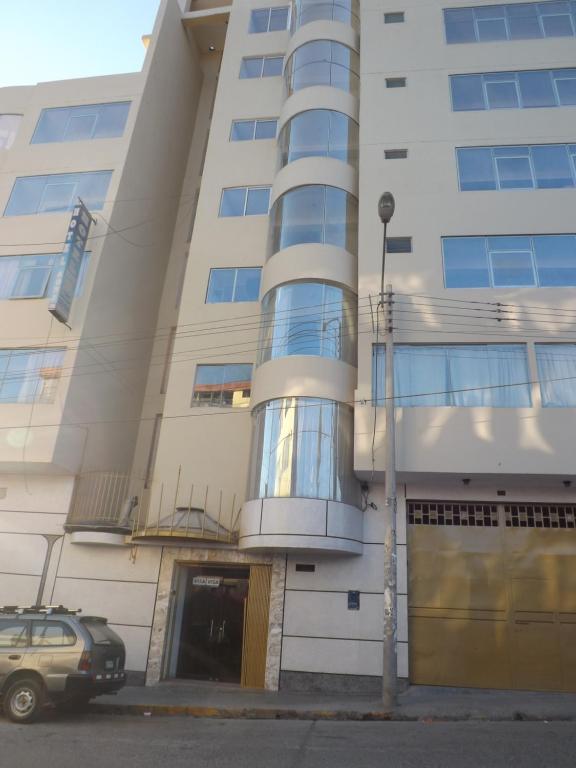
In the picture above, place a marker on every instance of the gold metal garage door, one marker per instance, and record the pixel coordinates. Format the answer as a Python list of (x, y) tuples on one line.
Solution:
[(492, 595)]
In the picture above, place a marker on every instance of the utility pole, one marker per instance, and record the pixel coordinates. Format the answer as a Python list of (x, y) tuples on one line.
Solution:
[(386, 206)]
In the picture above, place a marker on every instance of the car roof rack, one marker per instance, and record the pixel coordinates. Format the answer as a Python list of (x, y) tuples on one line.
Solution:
[(49, 610)]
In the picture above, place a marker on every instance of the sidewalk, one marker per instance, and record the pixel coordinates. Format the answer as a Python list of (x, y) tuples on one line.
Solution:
[(417, 703)]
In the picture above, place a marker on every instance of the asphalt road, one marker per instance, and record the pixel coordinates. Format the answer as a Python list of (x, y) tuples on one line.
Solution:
[(98, 741)]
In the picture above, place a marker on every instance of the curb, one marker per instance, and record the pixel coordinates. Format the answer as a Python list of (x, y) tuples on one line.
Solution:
[(243, 713)]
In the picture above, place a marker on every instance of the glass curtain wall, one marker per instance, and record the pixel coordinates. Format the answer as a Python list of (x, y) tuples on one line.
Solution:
[(323, 62), (303, 447), (319, 133), (314, 214), (345, 11), (308, 319)]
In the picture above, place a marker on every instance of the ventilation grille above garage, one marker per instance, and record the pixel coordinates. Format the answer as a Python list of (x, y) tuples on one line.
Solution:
[(452, 513), (540, 516)]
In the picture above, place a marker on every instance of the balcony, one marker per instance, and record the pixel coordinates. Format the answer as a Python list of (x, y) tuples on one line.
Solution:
[(103, 508), (184, 510)]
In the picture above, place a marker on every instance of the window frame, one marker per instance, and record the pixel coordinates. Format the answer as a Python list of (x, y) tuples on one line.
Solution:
[(537, 279), (75, 110), (287, 8), (26, 626), (246, 194), (233, 300), (514, 77), (50, 623), (212, 403), (255, 121), (540, 16), (570, 153), (263, 58)]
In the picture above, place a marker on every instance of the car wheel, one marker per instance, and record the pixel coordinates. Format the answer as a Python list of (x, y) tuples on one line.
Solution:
[(23, 701)]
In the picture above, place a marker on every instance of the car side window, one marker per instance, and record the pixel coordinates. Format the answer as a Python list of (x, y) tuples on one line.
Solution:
[(52, 633), (13, 633)]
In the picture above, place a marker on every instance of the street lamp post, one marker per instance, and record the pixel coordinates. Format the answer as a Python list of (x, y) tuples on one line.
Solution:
[(386, 207)]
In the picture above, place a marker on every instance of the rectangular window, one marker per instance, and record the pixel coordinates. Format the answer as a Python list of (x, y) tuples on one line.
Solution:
[(456, 375), (394, 18), (52, 633), (31, 277), (93, 121), (9, 125), (250, 130), (395, 82), (509, 261), (261, 66), (518, 21), (557, 374), (244, 201), (541, 166), (399, 244), (525, 89), (234, 284), (57, 193), (269, 19), (29, 375), (222, 385), (13, 633)]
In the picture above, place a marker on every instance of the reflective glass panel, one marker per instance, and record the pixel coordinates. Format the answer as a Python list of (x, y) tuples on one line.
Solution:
[(456, 375), (465, 262), (81, 123), (308, 319), (510, 21), (319, 133), (29, 375), (322, 62), (555, 257), (476, 168), (557, 374), (57, 193), (345, 11), (314, 214), (222, 385), (303, 447)]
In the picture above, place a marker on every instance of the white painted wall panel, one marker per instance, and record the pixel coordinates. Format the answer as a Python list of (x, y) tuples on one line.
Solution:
[(18, 590), (137, 640), (31, 522), (22, 553), (92, 562), (325, 614), (338, 573), (339, 657), (120, 602)]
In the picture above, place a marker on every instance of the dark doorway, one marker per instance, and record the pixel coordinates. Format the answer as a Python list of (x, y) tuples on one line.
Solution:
[(212, 625)]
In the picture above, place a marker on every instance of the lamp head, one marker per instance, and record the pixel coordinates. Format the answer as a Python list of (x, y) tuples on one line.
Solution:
[(386, 206)]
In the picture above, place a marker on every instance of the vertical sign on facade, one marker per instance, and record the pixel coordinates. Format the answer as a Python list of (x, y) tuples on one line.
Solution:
[(69, 263)]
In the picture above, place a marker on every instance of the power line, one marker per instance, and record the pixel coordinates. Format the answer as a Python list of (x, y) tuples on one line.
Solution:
[(246, 411)]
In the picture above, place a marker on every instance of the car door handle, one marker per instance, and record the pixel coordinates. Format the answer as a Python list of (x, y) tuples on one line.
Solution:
[(14, 657)]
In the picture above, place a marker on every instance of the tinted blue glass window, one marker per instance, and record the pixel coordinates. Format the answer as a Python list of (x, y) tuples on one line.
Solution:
[(32, 276), (94, 121), (244, 201), (557, 374), (555, 258), (510, 21), (57, 193), (552, 167), (235, 284), (513, 90), (465, 262), (546, 166), (476, 169), (509, 261)]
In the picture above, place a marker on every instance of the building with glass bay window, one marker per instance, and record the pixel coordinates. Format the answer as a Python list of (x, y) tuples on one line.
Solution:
[(199, 453)]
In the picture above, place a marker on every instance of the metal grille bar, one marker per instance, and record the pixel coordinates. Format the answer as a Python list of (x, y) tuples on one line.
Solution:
[(540, 515), (457, 513)]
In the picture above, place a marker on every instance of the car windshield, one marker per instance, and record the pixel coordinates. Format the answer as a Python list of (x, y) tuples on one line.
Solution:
[(101, 633)]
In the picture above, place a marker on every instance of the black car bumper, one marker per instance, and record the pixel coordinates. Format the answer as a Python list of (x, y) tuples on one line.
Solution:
[(86, 685)]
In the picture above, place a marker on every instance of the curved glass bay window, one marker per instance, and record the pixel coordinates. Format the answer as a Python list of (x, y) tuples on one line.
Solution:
[(309, 319), (303, 447), (319, 133), (305, 11), (314, 214), (323, 62)]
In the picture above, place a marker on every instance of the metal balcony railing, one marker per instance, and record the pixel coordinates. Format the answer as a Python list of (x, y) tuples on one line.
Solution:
[(183, 509), (103, 501)]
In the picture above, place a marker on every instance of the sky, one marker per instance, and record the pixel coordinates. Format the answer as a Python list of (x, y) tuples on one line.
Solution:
[(44, 40)]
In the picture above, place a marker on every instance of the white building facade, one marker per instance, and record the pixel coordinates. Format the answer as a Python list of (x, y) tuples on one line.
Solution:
[(199, 454)]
